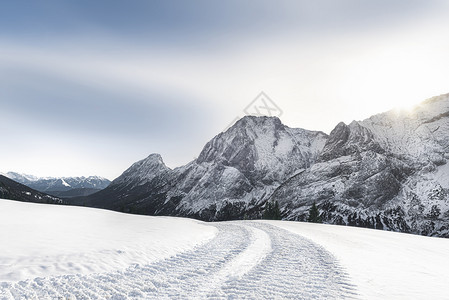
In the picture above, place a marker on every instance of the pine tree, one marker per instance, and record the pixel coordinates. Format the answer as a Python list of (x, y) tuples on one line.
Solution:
[(272, 211), (276, 211), (267, 212), (314, 214)]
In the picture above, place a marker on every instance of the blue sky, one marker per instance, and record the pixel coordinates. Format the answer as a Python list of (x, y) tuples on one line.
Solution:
[(89, 87)]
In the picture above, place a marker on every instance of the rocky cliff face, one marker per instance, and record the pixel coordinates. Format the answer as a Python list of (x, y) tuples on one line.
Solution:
[(388, 172), (232, 177), (240, 168)]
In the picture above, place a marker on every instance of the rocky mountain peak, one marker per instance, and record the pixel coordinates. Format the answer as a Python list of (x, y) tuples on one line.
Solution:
[(143, 171), (239, 138), (262, 144), (348, 140), (253, 122), (153, 159)]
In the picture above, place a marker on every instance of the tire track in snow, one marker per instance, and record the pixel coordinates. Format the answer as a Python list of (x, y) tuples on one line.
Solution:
[(248, 260), (259, 247), (297, 268), (178, 277)]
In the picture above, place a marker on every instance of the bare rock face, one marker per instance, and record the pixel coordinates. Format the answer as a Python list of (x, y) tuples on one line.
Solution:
[(233, 176), (386, 172), (349, 139)]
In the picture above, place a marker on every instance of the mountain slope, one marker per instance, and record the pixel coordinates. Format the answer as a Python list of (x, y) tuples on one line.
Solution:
[(387, 172), (74, 193), (12, 190), (233, 175), (145, 179)]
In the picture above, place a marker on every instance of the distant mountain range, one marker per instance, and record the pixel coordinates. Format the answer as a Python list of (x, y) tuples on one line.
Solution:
[(61, 186), (10, 189), (389, 171)]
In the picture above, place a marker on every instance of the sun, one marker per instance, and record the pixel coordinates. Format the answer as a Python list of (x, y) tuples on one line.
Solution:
[(406, 105)]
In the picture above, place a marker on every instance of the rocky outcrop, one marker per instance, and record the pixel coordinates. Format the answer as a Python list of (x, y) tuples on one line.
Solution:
[(387, 172)]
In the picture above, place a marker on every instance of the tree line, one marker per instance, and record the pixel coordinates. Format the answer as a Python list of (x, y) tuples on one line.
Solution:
[(272, 212)]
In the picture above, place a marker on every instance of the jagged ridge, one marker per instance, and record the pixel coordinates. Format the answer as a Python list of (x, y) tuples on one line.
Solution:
[(233, 175), (386, 172)]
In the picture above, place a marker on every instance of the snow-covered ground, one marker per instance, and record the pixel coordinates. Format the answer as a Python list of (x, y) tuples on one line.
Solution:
[(382, 264), (54, 252), (39, 240)]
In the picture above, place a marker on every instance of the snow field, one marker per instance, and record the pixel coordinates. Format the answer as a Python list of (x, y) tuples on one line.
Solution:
[(245, 260), (382, 264), (39, 240), (60, 252)]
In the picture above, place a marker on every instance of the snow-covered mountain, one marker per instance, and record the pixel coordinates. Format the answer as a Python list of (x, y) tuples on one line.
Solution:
[(19, 177), (10, 189), (232, 177), (386, 172), (58, 185)]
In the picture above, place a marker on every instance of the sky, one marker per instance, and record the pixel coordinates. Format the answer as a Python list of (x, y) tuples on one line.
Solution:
[(90, 87)]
